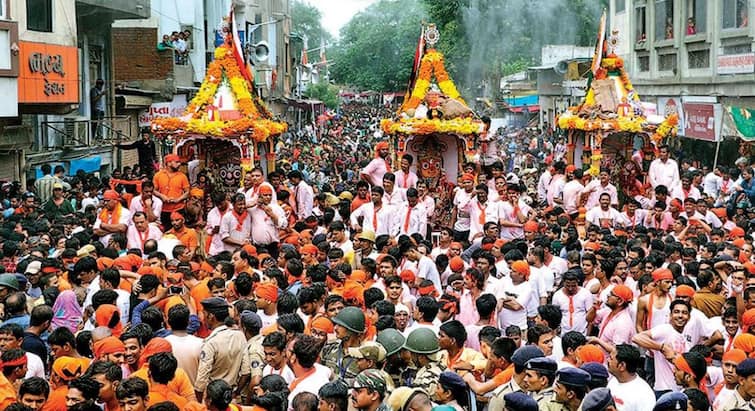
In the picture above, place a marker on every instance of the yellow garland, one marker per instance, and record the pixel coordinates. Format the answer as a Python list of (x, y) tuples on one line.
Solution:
[(432, 63), (250, 106), (465, 126)]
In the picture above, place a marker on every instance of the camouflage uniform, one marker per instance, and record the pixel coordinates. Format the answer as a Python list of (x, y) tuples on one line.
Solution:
[(427, 378), (339, 361)]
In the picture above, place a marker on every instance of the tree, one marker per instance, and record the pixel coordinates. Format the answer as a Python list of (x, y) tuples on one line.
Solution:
[(376, 48), (324, 92), (307, 22)]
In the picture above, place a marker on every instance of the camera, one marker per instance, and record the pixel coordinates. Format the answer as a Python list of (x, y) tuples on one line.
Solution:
[(175, 289)]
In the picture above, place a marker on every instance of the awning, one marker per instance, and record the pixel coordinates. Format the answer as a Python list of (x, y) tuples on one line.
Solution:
[(740, 122), (134, 102)]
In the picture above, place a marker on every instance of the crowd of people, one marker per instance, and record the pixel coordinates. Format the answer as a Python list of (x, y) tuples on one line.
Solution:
[(327, 285)]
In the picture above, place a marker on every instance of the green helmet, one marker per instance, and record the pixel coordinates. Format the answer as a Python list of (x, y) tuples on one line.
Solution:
[(422, 341), (392, 340), (351, 318), (10, 281)]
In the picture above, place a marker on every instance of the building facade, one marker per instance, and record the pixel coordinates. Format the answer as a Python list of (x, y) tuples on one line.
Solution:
[(694, 57)]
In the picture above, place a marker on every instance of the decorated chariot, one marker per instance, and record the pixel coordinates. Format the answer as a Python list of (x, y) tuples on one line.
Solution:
[(612, 128), (226, 129), (434, 125)]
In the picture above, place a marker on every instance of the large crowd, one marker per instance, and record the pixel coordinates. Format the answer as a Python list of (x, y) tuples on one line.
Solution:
[(327, 284)]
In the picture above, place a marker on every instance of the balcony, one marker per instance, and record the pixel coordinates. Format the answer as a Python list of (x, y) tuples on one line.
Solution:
[(15, 137), (103, 10), (78, 132)]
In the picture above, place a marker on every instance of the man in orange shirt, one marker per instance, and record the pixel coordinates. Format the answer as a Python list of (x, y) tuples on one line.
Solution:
[(162, 369), (172, 187), (187, 236), (64, 370)]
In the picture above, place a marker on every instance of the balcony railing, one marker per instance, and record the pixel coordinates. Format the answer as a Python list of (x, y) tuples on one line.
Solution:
[(79, 132)]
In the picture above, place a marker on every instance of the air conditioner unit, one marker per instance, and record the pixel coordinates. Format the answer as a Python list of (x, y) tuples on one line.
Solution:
[(75, 132)]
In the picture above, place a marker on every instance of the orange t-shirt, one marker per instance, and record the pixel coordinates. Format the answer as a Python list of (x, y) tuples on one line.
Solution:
[(172, 185), (160, 392), (187, 237), (180, 384), (504, 376), (7, 392), (57, 400)]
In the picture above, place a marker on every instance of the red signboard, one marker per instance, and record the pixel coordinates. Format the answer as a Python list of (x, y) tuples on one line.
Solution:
[(699, 121)]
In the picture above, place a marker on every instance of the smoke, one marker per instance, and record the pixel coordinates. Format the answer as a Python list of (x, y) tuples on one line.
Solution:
[(501, 32)]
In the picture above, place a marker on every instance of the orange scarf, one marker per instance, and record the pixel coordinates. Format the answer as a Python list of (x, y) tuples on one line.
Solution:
[(297, 380), (108, 217), (240, 218)]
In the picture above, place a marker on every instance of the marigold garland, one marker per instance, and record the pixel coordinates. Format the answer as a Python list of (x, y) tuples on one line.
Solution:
[(432, 63), (254, 122), (464, 126)]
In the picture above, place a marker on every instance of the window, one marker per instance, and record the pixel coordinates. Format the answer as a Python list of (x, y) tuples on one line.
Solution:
[(738, 49), (4, 9), (39, 15), (620, 6), (698, 59), (664, 19), (667, 62), (640, 18), (695, 13), (643, 63), (734, 14)]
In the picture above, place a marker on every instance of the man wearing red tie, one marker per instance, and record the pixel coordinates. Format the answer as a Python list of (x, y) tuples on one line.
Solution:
[(413, 214), (576, 304), (405, 178), (376, 216)]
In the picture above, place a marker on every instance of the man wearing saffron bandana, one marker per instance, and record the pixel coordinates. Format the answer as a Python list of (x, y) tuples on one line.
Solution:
[(236, 226), (380, 165), (187, 236), (112, 219), (267, 218)]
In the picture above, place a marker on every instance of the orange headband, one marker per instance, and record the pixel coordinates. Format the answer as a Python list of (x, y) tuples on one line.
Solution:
[(427, 290), (681, 364), (109, 345), (14, 363)]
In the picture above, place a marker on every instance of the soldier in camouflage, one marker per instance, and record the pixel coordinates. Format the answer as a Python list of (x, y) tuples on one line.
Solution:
[(422, 343), (349, 328)]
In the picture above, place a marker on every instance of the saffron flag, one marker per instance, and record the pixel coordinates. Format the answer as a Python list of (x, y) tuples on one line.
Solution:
[(238, 51)]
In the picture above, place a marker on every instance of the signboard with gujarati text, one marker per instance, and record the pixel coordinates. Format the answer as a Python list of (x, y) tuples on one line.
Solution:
[(736, 64), (702, 121), (48, 73)]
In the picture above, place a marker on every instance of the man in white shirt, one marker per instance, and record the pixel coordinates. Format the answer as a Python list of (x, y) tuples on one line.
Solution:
[(604, 215), (556, 187), (542, 185), (596, 188), (405, 178), (576, 304), (267, 219), (572, 190), (460, 217), (339, 238), (146, 202), (480, 211), (513, 214), (140, 231), (252, 184), (236, 226), (376, 217), (712, 182), (113, 218), (685, 190), (426, 200), (663, 170), (413, 215), (214, 217), (304, 196), (393, 196), (630, 392), (426, 268)]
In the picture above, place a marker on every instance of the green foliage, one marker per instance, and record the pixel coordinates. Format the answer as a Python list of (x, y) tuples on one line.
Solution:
[(306, 21), (324, 92), (376, 49)]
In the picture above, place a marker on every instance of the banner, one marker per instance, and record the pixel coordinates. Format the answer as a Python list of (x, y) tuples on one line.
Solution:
[(173, 108), (740, 122), (702, 121)]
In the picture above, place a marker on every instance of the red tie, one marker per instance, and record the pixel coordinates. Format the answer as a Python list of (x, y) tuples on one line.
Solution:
[(408, 217), (406, 180), (571, 311), (374, 218)]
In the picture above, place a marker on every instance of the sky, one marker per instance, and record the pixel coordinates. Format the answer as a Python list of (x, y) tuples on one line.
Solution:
[(336, 13)]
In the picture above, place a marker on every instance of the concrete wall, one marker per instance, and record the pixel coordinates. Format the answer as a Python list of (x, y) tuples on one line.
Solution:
[(135, 55), (63, 23)]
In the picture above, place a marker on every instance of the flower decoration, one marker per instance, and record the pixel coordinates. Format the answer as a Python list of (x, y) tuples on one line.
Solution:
[(464, 126), (432, 63), (255, 118)]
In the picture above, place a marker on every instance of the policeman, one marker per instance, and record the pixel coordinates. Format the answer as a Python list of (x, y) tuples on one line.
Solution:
[(519, 401), (349, 329), (539, 375), (222, 351), (672, 401), (570, 388), (395, 365), (252, 362), (599, 399), (520, 358), (422, 343), (369, 391)]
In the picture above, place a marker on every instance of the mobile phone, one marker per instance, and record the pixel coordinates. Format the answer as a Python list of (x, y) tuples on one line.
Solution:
[(175, 289), (435, 238)]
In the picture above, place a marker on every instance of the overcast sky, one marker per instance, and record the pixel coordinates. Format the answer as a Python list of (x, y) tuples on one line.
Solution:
[(336, 13)]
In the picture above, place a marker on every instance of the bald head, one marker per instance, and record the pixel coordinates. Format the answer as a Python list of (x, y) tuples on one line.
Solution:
[(100, 333)]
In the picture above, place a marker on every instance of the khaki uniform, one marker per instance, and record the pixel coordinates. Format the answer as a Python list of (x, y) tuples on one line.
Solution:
[(221, 357), (496, 400), (427, 378), (253, 361), (737, 402), (546, 400), (341, 363)]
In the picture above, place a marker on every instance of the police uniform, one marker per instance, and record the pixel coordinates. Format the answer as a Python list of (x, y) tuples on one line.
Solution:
[(516, 401), (222, 351), (568, 377), (339, 361), (254, 356), (672, 401), (498, 394), (544, 397), (427, 378)]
